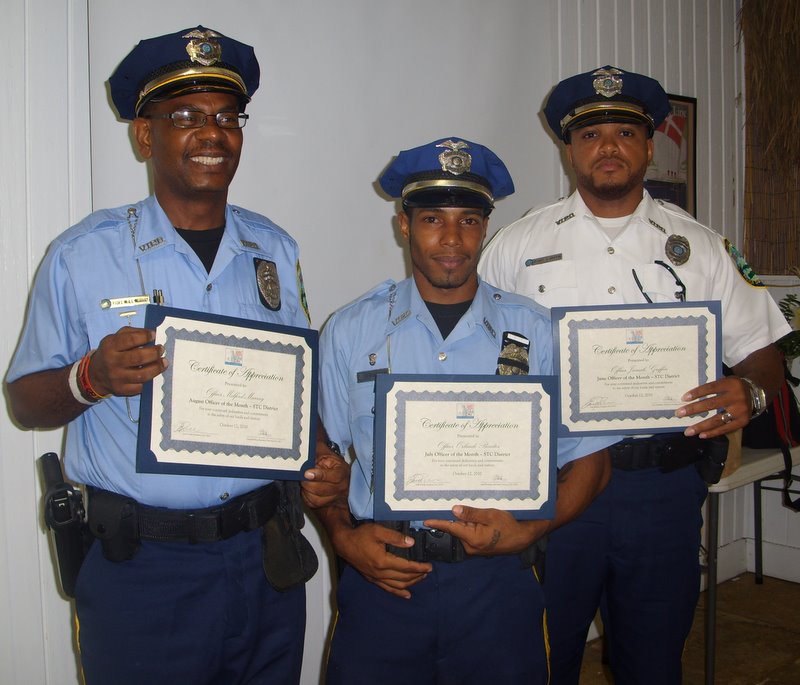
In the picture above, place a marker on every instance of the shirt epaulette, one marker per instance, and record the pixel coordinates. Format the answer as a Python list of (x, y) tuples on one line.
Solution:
[(503, 298), (378, 292), (259, 222)]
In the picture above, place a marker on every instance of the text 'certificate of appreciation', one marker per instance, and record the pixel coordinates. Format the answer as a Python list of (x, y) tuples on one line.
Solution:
[(484, 441), (623, 369), (237, 399)]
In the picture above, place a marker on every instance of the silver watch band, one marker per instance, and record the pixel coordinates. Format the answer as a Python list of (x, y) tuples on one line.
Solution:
[(758, 398)]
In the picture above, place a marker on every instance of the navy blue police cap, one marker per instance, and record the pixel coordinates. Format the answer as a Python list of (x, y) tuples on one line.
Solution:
[(192, 60), (447, 172), (605, 95)]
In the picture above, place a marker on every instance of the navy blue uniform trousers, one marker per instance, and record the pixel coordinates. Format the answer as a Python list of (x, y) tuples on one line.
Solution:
[(177, 613), (473, 622), (635, 548)]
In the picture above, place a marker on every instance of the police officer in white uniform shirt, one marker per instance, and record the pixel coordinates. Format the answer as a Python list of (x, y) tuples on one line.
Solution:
[(636, 547)]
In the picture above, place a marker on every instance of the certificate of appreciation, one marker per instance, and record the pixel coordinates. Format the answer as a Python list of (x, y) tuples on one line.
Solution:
[(237, 399), (484, 441), (623, 369)]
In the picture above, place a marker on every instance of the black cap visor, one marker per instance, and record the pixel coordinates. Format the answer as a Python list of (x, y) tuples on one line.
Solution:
[(607, 112), (447, 197), (180, 83)]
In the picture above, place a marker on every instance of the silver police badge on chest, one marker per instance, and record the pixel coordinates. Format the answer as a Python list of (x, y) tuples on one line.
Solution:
[(677, 249), (269, 285)]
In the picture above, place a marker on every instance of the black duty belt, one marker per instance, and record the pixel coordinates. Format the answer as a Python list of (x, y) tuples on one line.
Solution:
[(243, 513), (668, 454), (429, 545), (436, 545)]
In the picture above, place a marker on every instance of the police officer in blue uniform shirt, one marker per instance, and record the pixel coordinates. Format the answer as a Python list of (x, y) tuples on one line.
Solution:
[(151, 607), (635, 550), (461, 603)]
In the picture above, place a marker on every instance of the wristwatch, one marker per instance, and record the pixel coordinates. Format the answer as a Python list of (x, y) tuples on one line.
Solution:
[(758, 398)]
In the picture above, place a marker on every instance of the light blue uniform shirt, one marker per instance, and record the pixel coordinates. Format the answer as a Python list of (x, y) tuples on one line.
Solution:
[(393, 323), (96, 260)]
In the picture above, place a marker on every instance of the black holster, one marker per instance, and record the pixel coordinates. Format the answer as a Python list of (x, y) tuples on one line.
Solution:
[(711, 465), (288, 557), (112, 520), (64, 514), (534, 557)]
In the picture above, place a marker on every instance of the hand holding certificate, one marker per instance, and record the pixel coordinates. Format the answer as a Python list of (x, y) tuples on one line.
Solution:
[(625, 369), (238, 398), (485, 441)]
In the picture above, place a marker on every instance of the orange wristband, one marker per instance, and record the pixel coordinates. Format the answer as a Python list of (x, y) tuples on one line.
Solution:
[(83, 380)]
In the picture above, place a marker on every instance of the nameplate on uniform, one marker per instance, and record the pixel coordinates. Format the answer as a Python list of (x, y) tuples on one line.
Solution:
[(132, 301), (544, 260)]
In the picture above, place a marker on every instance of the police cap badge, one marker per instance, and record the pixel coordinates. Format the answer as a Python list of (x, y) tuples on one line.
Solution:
[(447, 172), (191, 60), (605, 95)]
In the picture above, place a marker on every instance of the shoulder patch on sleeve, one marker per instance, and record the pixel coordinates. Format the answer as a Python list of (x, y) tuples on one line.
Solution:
[(744, 269), (301, 289)]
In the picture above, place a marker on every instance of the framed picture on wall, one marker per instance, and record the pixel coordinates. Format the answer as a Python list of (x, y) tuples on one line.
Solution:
[(671, 173)]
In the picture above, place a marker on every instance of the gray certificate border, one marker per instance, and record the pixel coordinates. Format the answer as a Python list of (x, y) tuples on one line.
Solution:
[(291, 454), (403, 397), (575, 325)]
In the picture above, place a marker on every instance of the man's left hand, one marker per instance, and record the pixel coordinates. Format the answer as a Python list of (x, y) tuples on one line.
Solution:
[(327, 483), (729, 396), (489, 532)]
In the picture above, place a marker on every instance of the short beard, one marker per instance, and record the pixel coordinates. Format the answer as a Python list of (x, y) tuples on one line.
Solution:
[(610, 192)]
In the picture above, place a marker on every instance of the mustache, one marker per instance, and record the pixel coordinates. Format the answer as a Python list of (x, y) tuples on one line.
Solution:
[(210, 149)]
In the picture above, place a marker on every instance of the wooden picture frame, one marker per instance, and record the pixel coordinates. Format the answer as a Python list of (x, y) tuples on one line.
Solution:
[(671, 174)]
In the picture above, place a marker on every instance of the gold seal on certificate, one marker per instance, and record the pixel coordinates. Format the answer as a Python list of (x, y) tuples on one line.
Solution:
[(486, 441), (238, 398), (623, 369)]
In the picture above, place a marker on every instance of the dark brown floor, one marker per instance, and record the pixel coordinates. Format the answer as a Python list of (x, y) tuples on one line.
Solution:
[(758, 637)]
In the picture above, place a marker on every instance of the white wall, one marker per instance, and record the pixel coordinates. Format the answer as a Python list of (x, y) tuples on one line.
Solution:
[(345, 86)]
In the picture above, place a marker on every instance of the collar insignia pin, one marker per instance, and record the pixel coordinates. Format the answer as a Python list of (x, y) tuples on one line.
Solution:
[(569, 216)]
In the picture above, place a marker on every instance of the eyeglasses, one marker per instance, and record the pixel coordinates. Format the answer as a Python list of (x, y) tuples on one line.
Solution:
[(192, 119), (680, 295)]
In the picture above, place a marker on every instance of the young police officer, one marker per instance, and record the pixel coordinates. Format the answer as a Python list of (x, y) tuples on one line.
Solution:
[(153, 608), (638, 544), (456, 604)]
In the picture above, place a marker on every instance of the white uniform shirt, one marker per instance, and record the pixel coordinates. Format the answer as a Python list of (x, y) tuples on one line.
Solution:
[(558, 255)]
